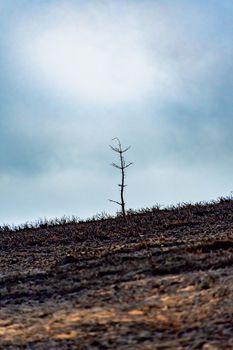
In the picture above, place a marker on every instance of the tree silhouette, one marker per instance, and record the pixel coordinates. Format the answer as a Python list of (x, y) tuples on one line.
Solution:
[(122, 166)]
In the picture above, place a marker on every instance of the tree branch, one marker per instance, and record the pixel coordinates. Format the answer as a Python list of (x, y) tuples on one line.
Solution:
[(111, 200), (126, 166), (116, 166), (126, 149), (121, 167), (114, 149)]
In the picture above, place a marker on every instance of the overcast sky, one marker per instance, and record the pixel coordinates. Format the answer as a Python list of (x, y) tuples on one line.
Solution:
[(74, 74)]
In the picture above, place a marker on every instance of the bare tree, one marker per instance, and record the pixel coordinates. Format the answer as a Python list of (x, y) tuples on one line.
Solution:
[(122, 168)]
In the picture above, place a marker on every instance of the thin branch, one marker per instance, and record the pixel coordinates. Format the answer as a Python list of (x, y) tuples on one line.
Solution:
[(114, 149), (111, 200), (116, 166), (116, 138), (126, 149), (126, 166)]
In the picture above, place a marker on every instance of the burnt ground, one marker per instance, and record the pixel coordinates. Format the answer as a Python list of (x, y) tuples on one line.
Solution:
[(163, 280)]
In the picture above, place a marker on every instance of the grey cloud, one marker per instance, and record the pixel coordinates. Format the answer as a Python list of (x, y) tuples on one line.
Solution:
[(54, 157)]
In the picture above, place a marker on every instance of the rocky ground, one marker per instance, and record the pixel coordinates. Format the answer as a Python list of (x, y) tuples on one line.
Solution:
[(161, 280)]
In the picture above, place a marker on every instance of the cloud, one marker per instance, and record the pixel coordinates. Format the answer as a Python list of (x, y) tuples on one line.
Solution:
[(83, 192), (89, 55), (96, 54), (79, 192), (167, 184), (74, 74), (108, 54)]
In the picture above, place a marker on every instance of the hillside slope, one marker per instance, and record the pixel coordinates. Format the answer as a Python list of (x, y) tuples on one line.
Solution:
[(163, 280)]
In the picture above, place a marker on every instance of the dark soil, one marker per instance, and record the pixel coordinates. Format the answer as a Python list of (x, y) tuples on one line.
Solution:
[(161, 280)]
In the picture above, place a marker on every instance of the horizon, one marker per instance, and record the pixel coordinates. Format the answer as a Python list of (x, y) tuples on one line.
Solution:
[(67, 219), (74, 75)]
